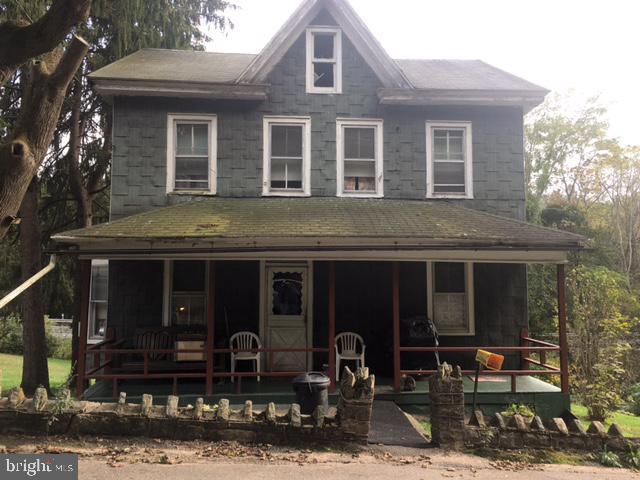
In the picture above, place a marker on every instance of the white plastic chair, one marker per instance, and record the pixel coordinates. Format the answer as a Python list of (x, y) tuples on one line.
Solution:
[(244, 341), (348, 344)]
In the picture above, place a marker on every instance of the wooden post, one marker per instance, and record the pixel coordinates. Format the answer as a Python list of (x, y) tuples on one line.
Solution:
[(562, 327), (85, 278), (395, 288), (332, 323), (524, 332), (211, 325)]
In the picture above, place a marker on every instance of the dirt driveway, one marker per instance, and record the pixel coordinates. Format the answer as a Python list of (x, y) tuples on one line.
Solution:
[(143, 459)]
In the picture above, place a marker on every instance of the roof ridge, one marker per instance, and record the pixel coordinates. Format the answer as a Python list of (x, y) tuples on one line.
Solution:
[(193, 51)]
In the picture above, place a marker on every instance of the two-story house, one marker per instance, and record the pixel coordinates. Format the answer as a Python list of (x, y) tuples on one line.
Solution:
[(316, 188)]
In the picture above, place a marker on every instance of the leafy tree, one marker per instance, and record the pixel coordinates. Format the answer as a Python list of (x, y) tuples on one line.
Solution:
[(600, 333), (72, 185)]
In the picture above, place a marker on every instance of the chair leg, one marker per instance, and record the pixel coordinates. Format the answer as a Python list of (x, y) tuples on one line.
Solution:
[(337, 368), (233, 368), (258, 367)]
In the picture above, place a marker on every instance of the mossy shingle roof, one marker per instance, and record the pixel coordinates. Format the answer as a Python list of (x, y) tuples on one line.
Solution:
[(436, 222), (224, 68)]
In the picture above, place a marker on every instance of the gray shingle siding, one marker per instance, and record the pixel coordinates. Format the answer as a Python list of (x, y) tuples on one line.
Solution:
[(139, 158)]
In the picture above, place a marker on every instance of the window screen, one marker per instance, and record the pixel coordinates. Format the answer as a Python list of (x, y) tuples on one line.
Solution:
[(192, 156), (287, 157), (359, 159), (449, 161)]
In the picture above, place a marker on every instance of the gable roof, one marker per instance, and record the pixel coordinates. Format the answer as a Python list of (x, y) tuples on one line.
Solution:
[(462, 75), (181, 73), (351, 24), (329, 222), (176, 66)]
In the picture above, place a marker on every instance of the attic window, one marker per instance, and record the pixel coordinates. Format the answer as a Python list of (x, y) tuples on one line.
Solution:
[(324, 60)]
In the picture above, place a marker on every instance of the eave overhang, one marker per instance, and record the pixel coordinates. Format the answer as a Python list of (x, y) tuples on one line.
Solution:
[(527, 100), (161, 88)]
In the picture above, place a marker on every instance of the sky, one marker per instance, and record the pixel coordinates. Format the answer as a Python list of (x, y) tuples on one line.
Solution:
[(587, 47)]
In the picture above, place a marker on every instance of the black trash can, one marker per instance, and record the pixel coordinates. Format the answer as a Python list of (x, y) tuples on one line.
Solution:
[(312, 391)]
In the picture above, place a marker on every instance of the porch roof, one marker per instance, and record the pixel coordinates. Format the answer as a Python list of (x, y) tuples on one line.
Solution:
[(327, 222)]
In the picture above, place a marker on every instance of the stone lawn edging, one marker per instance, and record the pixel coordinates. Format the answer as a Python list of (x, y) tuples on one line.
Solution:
[(63, 415), (448, 428)]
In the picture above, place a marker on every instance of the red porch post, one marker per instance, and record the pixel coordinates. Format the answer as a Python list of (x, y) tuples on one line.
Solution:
[(332, 323), (562, 324), (211, 325), (85, 279), (395, 288)]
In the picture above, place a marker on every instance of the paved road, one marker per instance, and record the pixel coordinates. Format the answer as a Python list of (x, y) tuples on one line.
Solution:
[(99, 470)]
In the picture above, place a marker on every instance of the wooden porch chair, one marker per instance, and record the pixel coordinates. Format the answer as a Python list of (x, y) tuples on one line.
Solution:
[(245, 341), (349, 346)]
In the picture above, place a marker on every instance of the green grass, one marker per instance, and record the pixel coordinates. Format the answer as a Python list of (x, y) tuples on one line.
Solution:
[(629, 423), (11, 366)]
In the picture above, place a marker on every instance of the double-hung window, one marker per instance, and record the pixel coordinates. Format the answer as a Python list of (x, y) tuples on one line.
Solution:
[(287, 152), (359, 158), (449, 160), (98, 299), (191, 154), (324, 60), (186, 292), (450, 297)]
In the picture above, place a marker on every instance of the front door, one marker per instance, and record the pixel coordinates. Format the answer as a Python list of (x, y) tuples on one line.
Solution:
[(286, 304)]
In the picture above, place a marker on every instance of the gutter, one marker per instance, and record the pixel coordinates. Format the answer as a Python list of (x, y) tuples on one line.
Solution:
[(28, 283)]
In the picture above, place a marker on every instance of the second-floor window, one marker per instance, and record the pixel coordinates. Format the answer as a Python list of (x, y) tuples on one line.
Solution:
[(359, 158), (287, 153), (191, 154), (449, 160), (324, 60)]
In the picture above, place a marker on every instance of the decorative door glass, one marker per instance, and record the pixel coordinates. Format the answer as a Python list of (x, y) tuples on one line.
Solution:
[(287, 293)]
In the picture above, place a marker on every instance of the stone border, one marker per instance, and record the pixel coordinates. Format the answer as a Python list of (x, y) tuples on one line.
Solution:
[(448, 429), (39, 415)]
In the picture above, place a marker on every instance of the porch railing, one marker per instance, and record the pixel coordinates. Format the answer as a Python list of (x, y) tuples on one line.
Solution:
[(103, 354), (528, 347)]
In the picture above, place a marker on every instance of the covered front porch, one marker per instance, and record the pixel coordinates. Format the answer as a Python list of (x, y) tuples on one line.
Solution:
[(379, 268), (150, 348)]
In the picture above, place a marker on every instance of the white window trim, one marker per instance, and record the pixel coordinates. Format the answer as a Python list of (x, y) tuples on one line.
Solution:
[(212, 120), (378, 124), (469, 290), (468, 171), (91, 317), (306, 156), (337, 88)]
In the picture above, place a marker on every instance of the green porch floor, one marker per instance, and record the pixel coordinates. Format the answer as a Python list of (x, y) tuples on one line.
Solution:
[(494, 395)]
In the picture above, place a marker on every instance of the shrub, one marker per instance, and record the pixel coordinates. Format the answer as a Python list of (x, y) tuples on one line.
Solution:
[(633, 457), (11, 335), (634, 404), (610, 459), (11, 339), (599, 344), (516, 408)]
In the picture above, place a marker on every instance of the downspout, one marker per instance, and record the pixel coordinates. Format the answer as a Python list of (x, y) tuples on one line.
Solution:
[(28, 283)]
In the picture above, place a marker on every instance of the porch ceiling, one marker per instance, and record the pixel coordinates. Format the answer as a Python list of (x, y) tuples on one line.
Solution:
[(321, 223)]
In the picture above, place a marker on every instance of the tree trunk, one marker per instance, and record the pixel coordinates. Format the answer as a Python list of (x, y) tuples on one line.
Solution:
[(25, 150), (20, 42), (35, 371)]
